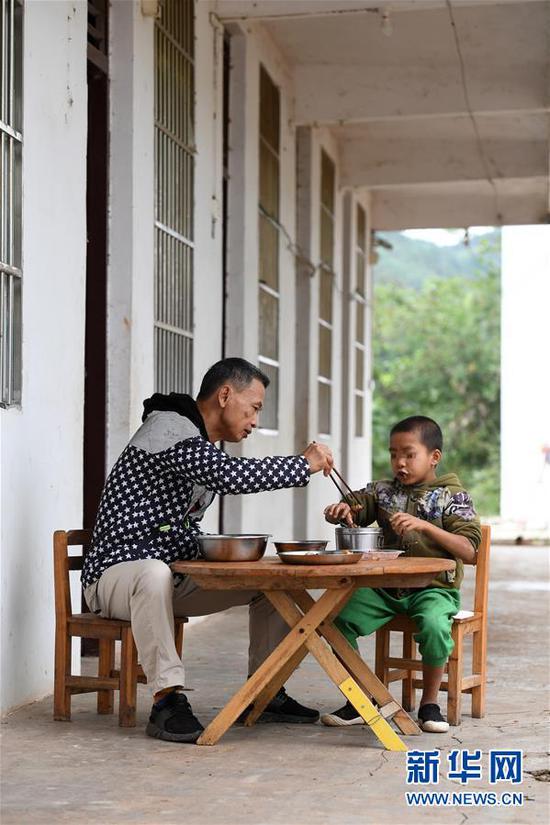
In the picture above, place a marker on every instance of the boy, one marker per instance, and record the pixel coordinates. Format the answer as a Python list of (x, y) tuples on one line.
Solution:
[(424, 516)]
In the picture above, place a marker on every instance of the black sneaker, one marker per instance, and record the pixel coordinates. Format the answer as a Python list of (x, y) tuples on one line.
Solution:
[(172, 719), (283, 708), (431, 720), (342, 717)]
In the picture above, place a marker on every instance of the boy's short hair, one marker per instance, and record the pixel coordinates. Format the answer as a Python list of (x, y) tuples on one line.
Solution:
[(235, 371), (428, 430)]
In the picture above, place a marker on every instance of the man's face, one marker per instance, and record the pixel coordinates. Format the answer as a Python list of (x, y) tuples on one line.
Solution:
[(411, 461), (240, 410)]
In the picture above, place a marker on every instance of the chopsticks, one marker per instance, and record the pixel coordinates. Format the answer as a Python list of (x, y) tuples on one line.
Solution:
[(342, 490)]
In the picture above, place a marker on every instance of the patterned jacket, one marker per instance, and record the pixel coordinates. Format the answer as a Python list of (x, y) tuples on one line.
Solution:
[(160, 487), (443, 502)]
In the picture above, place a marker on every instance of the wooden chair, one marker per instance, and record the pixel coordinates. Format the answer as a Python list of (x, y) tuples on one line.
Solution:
[(91, 626), (392, 669)]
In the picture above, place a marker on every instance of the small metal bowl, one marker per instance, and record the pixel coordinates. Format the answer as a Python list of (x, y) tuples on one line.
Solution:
[(233, 547), (293, 546), (324, 557)]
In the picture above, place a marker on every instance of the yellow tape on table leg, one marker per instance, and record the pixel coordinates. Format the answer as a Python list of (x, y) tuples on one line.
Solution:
[(374, 720)]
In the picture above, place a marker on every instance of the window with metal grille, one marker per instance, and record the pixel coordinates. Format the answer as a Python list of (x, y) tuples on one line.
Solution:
[(174, 171), (326, 282), (97, 33), (268, 230), (11, 145), (360, 296)]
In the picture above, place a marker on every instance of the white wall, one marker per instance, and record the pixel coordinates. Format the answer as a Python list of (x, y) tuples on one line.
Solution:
[(525, 388), (41, 443)]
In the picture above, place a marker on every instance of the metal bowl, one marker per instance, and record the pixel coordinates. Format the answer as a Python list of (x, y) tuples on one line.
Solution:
[(359, 538), (324, 557), (293, 546), (384, 554), (233, 547)]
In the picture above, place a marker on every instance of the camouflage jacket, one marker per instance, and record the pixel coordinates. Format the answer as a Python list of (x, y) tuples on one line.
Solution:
[(443, 502)]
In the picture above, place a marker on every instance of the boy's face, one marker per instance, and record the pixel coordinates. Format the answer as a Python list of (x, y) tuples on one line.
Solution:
[(411, 461)]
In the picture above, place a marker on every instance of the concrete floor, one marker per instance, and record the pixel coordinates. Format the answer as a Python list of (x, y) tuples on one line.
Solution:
[(92, 771)]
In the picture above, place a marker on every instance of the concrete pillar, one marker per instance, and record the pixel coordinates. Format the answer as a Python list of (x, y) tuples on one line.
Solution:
[(130, 288), (525, 392)]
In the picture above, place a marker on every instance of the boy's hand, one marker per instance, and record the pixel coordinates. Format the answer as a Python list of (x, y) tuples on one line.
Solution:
[(403, 522), (341, 512)]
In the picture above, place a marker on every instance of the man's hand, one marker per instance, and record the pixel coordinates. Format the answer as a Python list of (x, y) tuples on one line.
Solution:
[(341, 512), (319, 457), (403, 522)]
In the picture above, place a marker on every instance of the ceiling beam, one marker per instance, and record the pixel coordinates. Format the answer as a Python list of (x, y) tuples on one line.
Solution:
[(401, 162), (240, 10), (475, 203), (353, 96)]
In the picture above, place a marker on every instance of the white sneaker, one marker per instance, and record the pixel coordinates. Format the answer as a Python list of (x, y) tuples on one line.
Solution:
[(431, 720), (343, 717)]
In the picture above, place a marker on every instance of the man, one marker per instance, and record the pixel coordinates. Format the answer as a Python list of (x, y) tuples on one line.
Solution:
[(149, 514)]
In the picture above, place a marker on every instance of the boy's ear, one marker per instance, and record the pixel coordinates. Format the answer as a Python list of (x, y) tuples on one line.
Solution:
[(436, 457)]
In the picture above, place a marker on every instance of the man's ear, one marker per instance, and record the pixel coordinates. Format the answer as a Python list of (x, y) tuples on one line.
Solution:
[(436, 457), (224, 394)]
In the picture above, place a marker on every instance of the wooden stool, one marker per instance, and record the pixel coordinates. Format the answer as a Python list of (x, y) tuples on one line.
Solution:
[(91, 626), (392, 669)]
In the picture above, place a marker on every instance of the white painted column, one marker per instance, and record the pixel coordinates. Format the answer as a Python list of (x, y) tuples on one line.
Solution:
[(130, 286), (306, 311), (525, 388), (208, 195), (242, 219)]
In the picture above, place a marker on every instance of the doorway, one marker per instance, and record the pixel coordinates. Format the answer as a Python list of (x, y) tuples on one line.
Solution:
[(95, 346)]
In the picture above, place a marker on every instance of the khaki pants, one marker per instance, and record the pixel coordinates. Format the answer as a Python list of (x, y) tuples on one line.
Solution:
[(143, 593)]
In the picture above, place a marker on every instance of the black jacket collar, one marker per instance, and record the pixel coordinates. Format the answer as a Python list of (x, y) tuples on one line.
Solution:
[(175, 402)]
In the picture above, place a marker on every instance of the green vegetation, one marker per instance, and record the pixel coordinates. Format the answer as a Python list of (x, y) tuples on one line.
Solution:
[(436, 348)]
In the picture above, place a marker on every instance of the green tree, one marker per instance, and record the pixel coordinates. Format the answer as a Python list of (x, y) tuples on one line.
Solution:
[(437, 353)]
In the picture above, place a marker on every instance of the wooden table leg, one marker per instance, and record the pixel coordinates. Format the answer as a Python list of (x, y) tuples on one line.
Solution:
[(270, 690), (268, 670), (389, 707), (265, 696), (285, 605)]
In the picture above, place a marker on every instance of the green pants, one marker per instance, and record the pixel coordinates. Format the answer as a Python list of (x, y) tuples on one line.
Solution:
[(432, 610)]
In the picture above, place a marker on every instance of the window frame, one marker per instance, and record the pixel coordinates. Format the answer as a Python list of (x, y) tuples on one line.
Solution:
[(174, 127), (327, 191), (11, 193), (360, 298), (269, 139)]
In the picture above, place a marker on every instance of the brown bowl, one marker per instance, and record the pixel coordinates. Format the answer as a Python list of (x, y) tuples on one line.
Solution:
[(233, 547), (297, 546)]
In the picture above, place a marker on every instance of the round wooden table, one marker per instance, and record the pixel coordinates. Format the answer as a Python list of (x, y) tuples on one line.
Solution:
[(310, 621)]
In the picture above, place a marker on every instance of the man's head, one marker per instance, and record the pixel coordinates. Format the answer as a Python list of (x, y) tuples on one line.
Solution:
[(416, 445), (230, 399)]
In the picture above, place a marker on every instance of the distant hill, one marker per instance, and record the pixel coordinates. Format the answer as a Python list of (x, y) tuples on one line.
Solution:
[(412, 260)]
